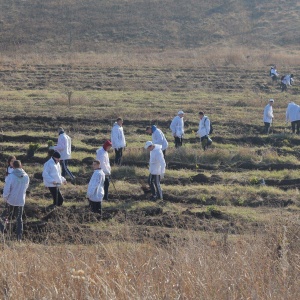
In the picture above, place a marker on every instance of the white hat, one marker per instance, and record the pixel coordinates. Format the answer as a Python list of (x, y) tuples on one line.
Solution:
[(180, 112), (271, 100), (148, 144)]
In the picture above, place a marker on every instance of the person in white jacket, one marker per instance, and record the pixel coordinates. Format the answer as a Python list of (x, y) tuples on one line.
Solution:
[(273, 73), (53, 179), (95, 191), (285, 81), (204, 130), (102, 156), (64, 148), (268, 115), (158, 138), (118, 140), (293, 116), (157, 168), (14, 195), (177, 128)]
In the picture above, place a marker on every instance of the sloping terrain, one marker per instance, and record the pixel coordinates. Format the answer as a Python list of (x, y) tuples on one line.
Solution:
[(92, 25)]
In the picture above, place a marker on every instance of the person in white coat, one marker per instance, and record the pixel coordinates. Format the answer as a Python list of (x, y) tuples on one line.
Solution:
[(177, 128), (293, 116), (158, 138), (95, 191), (268, 116), (157, 168), (53, 179), (64, 148), (285, 81), (118, 140), (273, 73), (204, 130), (14, 195), (102, 156)]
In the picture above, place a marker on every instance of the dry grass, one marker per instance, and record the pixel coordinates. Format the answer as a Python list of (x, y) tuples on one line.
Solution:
[(260, 266)]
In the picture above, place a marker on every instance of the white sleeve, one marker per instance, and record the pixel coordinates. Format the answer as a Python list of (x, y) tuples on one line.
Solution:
[(61, 144), (7, 188)]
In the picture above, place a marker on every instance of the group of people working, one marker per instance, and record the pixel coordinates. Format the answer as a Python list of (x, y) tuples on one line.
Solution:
[(56, 168), (285, 80), (292, 116)]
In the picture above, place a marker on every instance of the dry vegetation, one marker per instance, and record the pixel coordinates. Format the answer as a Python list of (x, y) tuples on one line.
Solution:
[(218, 233)]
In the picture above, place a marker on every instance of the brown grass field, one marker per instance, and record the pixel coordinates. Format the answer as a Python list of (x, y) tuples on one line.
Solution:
[(218, 233)]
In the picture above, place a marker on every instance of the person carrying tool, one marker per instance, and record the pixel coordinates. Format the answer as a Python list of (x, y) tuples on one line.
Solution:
[(157, 167), (177, 128), (102, 156), (53, 179), (95, 191), (14, 195)]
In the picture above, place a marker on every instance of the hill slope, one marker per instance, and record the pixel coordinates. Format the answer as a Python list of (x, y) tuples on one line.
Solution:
[(100, 25)]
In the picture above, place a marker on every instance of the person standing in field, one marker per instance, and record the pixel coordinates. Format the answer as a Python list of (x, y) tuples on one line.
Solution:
[(293, 116), (157, 167), (204, 130), (14, 195), (177, 128), (118, 140), (64, 148), (158, 138), (273, 73), (95, 191), (268, 116), (102, 156), (53, 179)]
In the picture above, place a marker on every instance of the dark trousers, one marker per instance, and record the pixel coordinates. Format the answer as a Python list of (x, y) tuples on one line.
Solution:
[(267, 127), (56, 195), (8, 214), (119, 154), (106, 186), (178, 142), (154, 182), (65, 170), (283, 87), (204, 142), (296, 124), (95, 207)]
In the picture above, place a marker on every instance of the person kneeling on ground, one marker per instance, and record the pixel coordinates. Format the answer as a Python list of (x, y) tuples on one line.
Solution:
[(203, 131), (14, 195), (53, 179), (157, 167), (95, 191)]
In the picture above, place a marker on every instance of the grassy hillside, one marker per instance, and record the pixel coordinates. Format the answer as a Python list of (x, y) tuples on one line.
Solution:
[(101, 25)]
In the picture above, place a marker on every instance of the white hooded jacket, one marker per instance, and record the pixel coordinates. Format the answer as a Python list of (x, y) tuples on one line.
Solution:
[(16, 184), (95, 191), (117, 136), (268, 114), (157, 164), (102, 155), (177, 126), (159, 138), (204, 127), (63, 146), (52, 173), (292, 112), (288, 80)]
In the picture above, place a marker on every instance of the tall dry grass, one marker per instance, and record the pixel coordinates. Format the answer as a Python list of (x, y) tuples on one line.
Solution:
[(264, 265)]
